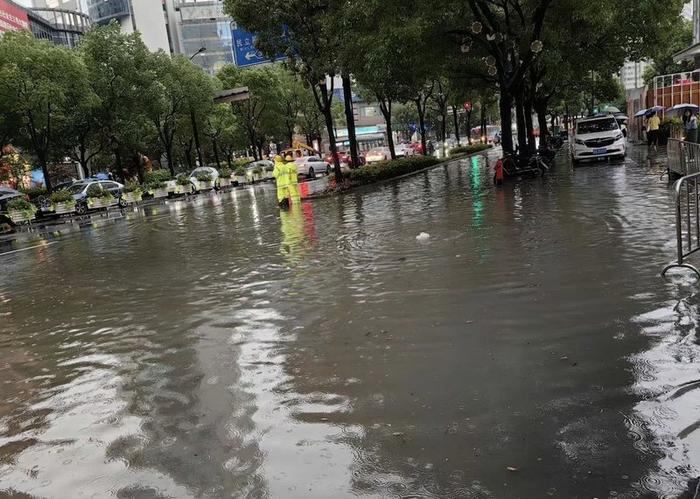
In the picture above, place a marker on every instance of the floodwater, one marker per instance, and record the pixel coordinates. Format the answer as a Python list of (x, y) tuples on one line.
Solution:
[(218, 348)]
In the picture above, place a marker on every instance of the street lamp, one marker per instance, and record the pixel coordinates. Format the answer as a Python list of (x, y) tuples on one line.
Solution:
[(195, 131), (201, 50)]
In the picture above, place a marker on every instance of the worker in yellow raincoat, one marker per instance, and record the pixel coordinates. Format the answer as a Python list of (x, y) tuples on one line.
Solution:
[(282, 180), (292, 181)]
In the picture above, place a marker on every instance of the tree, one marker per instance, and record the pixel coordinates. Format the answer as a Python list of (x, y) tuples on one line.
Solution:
[(40, 83), (674, 40), (310, 39), (262, 113), (121, 74)]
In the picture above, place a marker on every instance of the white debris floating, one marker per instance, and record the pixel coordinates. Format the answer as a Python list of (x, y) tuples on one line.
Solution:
[(423, 236)]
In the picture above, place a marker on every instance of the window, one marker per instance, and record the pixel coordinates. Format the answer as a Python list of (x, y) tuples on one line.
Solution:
[(597, 126)]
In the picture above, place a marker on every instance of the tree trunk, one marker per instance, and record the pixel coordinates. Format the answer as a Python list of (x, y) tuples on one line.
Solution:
[(385, 108), (45, 170), (195, 132), (216, 153), (350, 118), (421, 125), (531, 143), (520, 121), (455, 119), (328, 116), (169, 158), (505, 104)]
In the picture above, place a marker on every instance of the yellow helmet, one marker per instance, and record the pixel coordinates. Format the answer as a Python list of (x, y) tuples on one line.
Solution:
[(278, 158), (289, 158)]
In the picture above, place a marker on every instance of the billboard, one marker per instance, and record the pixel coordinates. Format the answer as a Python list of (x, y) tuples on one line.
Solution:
[(12, 17)]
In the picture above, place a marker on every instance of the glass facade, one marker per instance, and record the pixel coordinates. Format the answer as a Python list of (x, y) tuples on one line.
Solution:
[(202, 23), (66, 27), (103, 11)]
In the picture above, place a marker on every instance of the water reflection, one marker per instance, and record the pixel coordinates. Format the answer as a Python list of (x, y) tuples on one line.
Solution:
[(215, 346)]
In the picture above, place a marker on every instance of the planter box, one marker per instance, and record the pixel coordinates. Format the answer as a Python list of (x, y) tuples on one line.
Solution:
[(183, 189), (63, 208), (21, 216), (132, 197), (96, 203), (171, 185), (205, 186), (239, 179), (160, 193), (268, 175), (224, 182)]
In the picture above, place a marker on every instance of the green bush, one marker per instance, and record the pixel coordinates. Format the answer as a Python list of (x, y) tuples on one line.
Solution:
[(389, 169), (225, 172), (469, 149), (131, 187), (203, 177), (34, 192), (20, 204), (183, 179), (95, 191), (240, 170), (154, 184), (161, 175), (61, 196), (241, 162)]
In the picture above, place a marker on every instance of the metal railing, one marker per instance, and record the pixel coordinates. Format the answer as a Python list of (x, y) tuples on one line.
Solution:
[(683, 157), (687, 201)]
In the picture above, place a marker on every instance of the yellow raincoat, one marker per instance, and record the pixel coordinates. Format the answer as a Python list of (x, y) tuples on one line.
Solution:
[(293, 182), (282, 179)]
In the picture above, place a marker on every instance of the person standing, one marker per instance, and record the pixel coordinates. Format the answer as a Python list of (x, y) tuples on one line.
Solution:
[(292, 180), (692, 129), (282, 180), (653, 124)]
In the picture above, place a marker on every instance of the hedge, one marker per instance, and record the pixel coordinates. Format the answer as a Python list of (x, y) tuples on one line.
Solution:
[(469, 149), (389, 169)]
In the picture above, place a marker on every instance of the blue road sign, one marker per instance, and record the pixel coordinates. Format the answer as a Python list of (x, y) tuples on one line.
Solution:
[(244, 52)]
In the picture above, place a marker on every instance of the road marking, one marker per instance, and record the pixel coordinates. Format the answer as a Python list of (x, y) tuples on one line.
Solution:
[(28, 248)]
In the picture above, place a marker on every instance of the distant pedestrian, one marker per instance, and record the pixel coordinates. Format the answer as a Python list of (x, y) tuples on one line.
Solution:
[(691, 132), (653, 124)]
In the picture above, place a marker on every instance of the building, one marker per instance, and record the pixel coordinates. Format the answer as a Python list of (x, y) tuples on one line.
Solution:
[(148, 17), (61, 26), (632, 74), (203, 24)]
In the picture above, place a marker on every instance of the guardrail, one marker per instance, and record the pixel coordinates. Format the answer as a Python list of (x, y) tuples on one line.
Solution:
[(683, 157), (687, 200)]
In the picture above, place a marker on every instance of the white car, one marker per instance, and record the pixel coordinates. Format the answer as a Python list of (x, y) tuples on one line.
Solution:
[(203, 169), (598, 137), (309, 166), (378, 154), (404, 151)]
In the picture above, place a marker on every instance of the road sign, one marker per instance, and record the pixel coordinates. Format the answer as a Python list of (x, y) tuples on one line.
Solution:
[(468, 106), (244, 52)]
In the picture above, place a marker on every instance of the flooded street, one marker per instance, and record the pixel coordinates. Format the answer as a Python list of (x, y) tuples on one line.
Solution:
[(219, 348)]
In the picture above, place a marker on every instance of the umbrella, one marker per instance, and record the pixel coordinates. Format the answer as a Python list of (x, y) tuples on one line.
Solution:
[(609, 109), (640, 113), (679, 107)]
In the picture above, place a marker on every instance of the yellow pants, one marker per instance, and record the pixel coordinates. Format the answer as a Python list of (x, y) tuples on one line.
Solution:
[(294, 196), (282, 193)]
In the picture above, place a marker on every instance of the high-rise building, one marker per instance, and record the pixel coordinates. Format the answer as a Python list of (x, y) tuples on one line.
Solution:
[(61, 26), (632, 74), (148, 17), (203, 24)]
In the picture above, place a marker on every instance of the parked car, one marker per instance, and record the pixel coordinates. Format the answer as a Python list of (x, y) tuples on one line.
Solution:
[(404, 150), (262, 165), (203, 169), (309, 166), (7, 194), (79, 192), (344, 158), (598, 137), (378, 154)]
